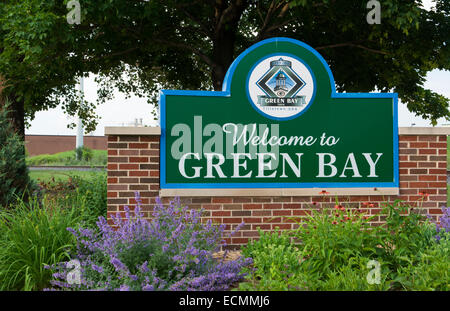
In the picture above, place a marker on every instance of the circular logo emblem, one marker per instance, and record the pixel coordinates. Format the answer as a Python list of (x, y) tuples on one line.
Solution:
[(280, 87)]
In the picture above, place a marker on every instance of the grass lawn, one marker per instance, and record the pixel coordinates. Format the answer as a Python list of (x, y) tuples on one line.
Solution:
[(99, 157), (47, 175)]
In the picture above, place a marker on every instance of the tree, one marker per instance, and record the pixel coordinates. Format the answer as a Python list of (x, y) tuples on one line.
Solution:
[(38, 69), (190, 44), (14, 179)]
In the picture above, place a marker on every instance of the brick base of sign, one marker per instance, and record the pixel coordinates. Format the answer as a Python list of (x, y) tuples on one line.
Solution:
[(133, 165)]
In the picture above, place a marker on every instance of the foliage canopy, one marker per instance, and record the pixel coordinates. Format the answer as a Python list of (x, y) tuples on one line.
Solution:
[(143, 46)]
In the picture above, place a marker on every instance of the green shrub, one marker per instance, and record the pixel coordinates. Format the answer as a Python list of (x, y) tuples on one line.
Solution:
[(83, 154), (334, 247), (87, 195), (353, 277), (31, 237), (330, 238), (404, 235), (92, 193), (34, 235), (276, 263), (51, 159), (14, 179), (332, 252), (88, 156), (431, 271)]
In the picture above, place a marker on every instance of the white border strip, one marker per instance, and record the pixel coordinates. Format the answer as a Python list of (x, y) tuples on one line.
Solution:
[(276, 192), (156, 130)]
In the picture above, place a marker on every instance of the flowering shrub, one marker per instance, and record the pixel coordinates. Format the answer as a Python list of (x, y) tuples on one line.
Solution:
[(87, 195), (443, 227), (331, 246), (173, 252), (405, 233), (430, 270), (330, 237), (335, 249), (276, 264)]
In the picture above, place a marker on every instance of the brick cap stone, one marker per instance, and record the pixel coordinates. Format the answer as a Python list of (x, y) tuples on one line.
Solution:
[(443, 130), (132, 130), (156, 130), (276, 192)]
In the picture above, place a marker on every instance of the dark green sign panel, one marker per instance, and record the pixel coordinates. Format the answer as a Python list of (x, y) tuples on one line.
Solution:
[(278, 123)]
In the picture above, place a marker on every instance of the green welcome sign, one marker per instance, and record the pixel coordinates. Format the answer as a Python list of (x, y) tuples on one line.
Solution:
[(278, 123)]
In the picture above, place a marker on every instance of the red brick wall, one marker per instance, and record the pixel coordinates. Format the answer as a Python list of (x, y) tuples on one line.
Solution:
[(133, 165), (50, 144)]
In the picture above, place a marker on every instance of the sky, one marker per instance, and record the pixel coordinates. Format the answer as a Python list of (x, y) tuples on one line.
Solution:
[(122, 112)]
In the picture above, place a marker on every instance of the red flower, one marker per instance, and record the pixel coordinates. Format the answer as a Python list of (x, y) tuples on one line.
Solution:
[(314, 203), (324, 192), (337, 206)]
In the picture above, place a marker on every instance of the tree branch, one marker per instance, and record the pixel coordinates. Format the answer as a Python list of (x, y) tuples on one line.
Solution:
[(274, 27), (258, 10), (273, 8), (231, 14), (204, 29), (3, 85), (268, 17), (351, 44), (117, 53), (284, 10), (184, 46)]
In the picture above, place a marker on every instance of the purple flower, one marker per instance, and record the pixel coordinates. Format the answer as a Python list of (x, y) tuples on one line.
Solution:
[(171, 252), (144, 267), (239, 227), (443, 225), (118, 264), (148, 288), (97, 268)]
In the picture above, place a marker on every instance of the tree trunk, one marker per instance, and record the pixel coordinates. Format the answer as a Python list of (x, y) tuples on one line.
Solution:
[(16, 108), (227, 17), (223, 55), (17, 117), (17, 113)]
